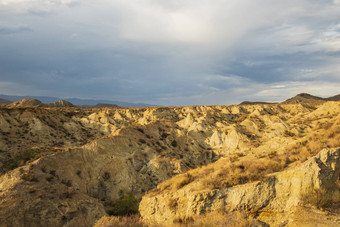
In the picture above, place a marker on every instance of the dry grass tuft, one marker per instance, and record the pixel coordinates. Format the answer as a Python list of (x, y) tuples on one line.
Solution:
[(177, 182), (120, 221), (216, 219)]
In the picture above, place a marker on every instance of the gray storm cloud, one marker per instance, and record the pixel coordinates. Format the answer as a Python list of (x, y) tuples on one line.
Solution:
[(170, 52)]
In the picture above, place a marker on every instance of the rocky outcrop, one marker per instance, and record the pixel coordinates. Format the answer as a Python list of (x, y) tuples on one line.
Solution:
[(278, 194), (60, 103), (26, 103)]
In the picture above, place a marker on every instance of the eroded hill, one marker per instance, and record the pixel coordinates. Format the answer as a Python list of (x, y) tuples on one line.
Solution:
[(67, 166)]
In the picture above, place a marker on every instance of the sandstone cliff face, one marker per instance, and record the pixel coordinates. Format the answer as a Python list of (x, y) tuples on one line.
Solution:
[(87, 156), (280, 194)]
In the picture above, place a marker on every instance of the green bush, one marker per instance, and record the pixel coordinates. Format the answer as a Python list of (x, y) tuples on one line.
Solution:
[(126, 204), (20, 159)]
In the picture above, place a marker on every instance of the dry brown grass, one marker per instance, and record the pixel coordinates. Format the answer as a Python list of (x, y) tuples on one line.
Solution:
[(177, 182), (217, 219), (213, 219), (224, 173), (323, 135), (321, 198), (120, 221), (241, 172)]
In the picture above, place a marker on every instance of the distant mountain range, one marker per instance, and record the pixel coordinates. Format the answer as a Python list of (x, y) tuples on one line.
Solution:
[(307, 98), (299, 98), (255, 102), (6, 99), (334, 98), (94, 103)]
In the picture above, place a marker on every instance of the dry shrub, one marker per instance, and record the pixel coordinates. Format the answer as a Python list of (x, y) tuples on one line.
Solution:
[(172, 204), (326, 125), (183, 180), (175, 183), (22, 158), (127, 204), (120, 221), (217, 181), (323, 198), (317, 197), (288, 133)]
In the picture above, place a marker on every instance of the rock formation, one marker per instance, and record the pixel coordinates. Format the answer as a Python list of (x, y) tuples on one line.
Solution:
[(67, 166), (26, 103), (277, 195), (60, 103)]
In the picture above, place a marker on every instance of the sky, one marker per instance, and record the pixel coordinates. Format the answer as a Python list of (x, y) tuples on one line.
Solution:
[(170, 52)]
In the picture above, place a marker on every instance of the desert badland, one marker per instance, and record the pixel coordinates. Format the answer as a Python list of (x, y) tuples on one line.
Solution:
[(238, 165)]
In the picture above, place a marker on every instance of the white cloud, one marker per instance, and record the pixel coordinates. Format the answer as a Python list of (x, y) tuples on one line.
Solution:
[(198, 51), (290, 89), (66, 2), (11, 88), (221, 23)]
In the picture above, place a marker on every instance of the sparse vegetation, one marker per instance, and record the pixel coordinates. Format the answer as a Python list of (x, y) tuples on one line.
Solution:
[(127, 204), (214, 219), (224, 173), (172, 204), (142, 141), (217, 219), (29, 176), (21, 159), (106, 176), (322, 198), (119, 221), (288, 133), (241, 172), (174, 143), (318, 198)]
